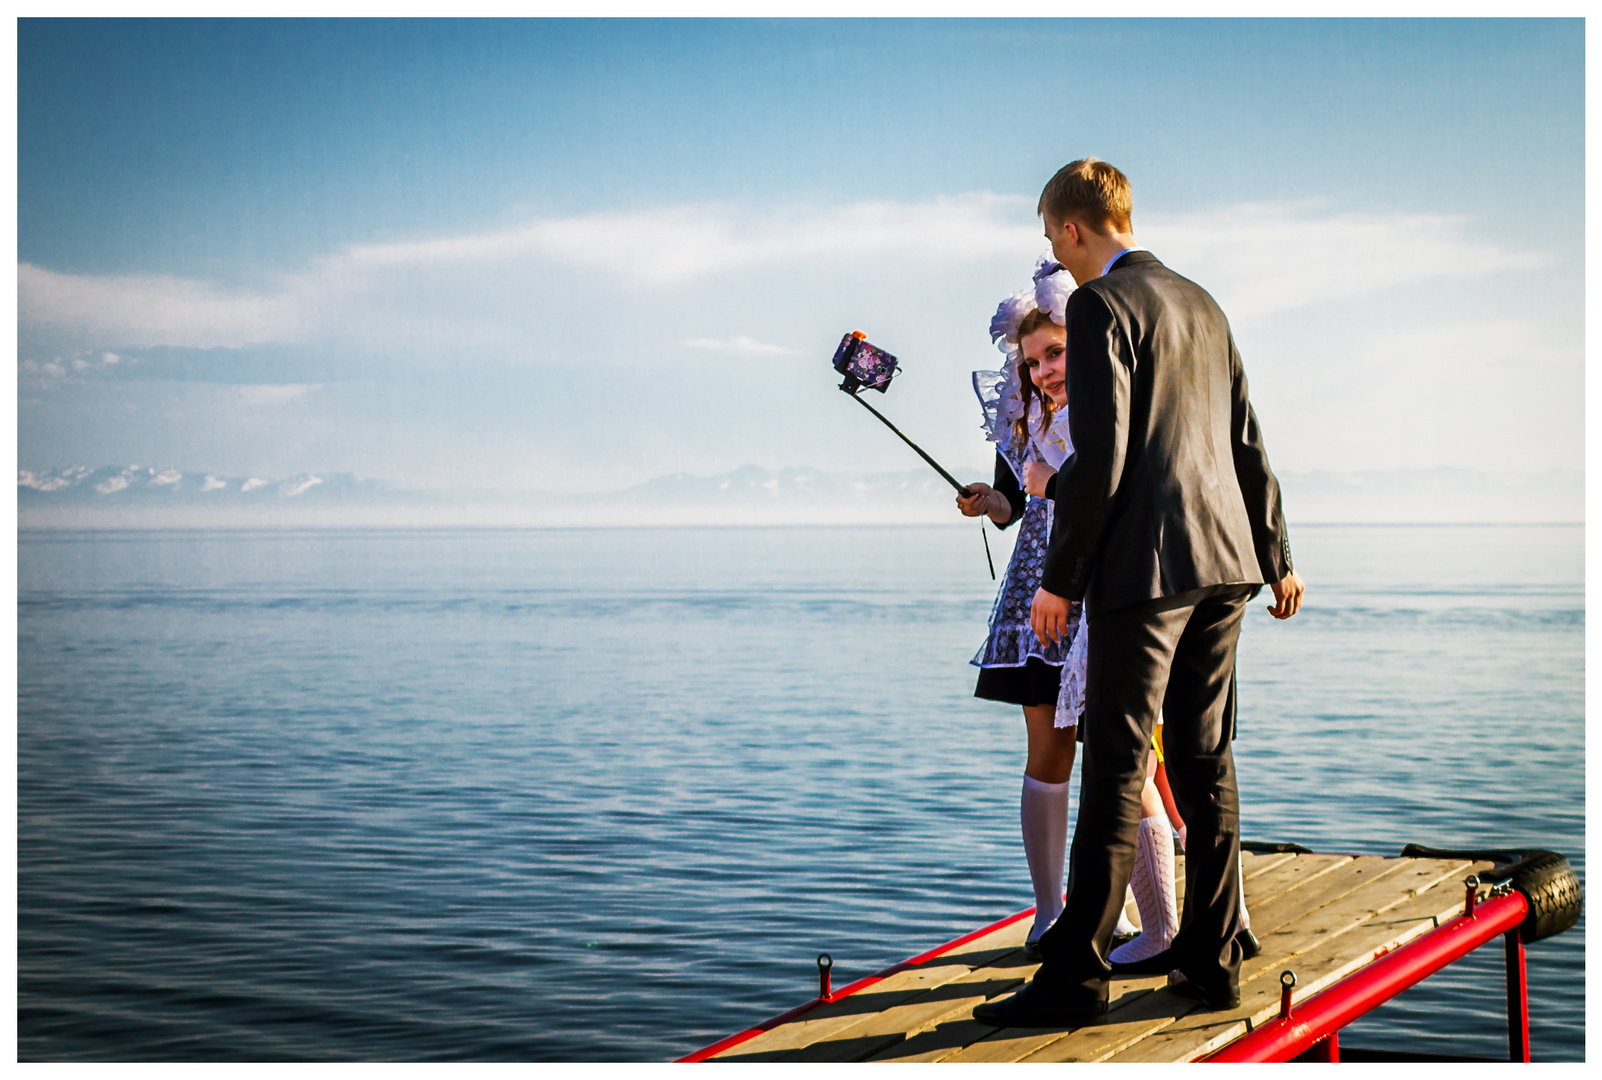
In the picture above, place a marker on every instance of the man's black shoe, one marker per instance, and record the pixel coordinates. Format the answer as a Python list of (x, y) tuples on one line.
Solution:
[(1249, 945), (1226, 997), (1033, 1006)]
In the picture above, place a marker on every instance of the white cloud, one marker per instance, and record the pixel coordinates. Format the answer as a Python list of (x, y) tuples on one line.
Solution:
[(27, 479), (43, 372), (507, 286), (680, 243), (291, 488), (502, 343), (1262, 259), (149, 310)]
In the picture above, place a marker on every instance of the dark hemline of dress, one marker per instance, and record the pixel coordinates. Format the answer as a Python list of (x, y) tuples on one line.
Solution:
[(1035, 683)]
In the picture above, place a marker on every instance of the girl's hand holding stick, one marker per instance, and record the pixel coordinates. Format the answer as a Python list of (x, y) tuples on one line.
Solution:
[(984, 499)]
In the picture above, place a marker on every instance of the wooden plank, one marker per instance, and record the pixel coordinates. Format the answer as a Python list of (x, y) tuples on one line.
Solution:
[(1150, 1013), (1256, 865), (1315, 885), (1322, 966), (954, 1036), (941, 1003), (954, 999), (937, 1043), (1006, 1045), (1323, 946), (1328, 912), (1131, 1017), (940, 1037), (1289, 875), (951, 1035), (1314, 892), (828, 1021)]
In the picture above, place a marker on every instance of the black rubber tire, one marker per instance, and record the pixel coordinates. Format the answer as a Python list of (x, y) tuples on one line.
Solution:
[(1548, 882), (1544, 877)]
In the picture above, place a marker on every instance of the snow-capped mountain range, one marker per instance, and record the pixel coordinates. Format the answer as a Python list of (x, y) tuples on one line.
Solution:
[(143, 483), (143, 496)]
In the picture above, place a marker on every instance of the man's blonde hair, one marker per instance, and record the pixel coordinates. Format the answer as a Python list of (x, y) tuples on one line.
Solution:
[(1091, 192)]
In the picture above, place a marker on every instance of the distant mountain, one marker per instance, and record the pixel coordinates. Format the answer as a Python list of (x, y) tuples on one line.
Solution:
[(752, 485), (144, 485), (138, 496)]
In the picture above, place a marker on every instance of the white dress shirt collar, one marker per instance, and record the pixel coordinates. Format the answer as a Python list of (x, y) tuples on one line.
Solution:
[(1116, 257)]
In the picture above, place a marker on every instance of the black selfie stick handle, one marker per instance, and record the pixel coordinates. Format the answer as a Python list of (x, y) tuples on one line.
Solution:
[(963, 491)]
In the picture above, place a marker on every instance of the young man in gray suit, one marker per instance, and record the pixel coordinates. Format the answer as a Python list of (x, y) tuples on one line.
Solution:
[(1167, 522)]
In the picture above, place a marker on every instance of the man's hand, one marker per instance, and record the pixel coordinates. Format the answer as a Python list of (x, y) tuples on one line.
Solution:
[(1287, 596), (1048, 615), (1036, 473)]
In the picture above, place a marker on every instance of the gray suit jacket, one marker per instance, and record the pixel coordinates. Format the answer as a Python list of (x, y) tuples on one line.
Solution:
[(1169, 488)]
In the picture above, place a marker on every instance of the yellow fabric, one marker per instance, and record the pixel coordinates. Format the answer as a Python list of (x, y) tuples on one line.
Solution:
[(1157, 743)]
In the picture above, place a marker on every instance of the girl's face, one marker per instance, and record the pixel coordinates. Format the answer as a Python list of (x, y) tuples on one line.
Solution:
[(1044, 352)]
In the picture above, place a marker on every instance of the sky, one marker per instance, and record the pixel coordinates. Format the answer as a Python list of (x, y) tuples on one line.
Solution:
[(574, 255)]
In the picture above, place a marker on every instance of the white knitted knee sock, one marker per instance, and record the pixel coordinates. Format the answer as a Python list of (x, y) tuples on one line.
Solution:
[(1043, 812), (1126, 925), (1153, 882), (1240, 872)]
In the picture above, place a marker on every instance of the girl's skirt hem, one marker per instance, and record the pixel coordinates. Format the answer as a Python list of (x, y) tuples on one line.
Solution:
[(1032, 683)]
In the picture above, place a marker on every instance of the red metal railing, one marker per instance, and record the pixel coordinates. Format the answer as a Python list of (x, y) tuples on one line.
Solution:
[(824, 995), (1313, 1025)]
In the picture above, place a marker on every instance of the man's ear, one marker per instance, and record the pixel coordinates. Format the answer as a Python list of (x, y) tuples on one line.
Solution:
[(1073, 233)]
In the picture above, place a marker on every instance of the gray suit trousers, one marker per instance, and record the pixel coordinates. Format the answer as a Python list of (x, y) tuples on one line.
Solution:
[(1177, 654)]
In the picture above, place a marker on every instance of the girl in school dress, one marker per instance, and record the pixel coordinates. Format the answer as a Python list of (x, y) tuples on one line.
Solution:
[(1024, 415), (1014, 667)]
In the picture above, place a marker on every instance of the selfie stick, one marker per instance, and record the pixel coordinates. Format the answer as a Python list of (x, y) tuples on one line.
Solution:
[(961, 490), (852, 383)]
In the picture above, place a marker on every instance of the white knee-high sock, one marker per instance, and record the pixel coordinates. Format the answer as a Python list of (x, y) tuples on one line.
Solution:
[(1043, 812), (1153, 882), (1240, 872), (1125, 924)]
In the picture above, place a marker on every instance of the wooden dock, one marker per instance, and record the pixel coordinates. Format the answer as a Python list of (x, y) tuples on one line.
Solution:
[(1322, 916)]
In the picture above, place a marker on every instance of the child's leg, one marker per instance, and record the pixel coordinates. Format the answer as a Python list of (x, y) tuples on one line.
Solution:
[(1169, 806), (1043, 810), (1152, 877)]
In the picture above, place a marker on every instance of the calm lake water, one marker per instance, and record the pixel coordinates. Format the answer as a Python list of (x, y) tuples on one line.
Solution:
[(603, 795)]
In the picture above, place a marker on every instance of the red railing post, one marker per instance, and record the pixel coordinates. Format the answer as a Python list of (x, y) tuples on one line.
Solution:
[(1518, 999), (1332, 1008)]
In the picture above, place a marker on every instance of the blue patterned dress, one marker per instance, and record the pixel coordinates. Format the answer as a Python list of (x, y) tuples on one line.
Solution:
[(1011, 642)]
